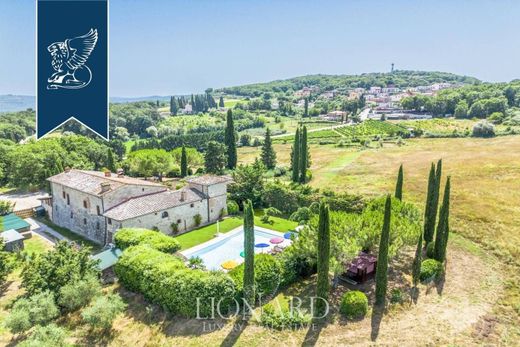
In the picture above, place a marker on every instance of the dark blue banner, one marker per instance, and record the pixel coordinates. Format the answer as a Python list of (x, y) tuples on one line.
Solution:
[(72, 64)]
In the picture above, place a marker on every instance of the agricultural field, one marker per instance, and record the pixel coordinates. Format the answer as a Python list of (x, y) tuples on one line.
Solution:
[(438, 126), (190, 122)]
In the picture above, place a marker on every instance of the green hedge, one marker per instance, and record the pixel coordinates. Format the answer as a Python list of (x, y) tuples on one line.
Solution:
[(431, 269), (166, 281), (354, 304), (127, 237), (268, 275)]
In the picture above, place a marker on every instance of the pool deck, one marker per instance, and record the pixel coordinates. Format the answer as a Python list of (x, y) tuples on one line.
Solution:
[(229, 234)]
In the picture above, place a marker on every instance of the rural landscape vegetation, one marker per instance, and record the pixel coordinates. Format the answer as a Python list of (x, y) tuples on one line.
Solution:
[(419, 170)]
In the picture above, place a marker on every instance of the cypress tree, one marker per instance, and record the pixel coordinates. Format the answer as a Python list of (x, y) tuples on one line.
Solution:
[(230, 141), (429, 225), (221, 102), (249, 253), (322, 285), (382, 257), (296, 157), (416, 267), (268, 154), (435, 210), (441, 237), (399, 185), (306, 108), (303, 155), (111, 165), (184, 162)]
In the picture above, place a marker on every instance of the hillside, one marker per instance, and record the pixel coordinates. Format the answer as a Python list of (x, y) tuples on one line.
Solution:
[(399, 78)]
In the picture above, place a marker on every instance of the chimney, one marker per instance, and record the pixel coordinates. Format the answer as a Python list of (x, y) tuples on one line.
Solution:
[(183, 195), (120, 173), (108, 173), (105, 187), (67, 169)]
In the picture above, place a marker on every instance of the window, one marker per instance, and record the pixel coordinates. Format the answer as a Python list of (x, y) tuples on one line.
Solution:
[(64, 195), (109, 221), (98, 210), (85, 221), (192, 205), (97, 225), (164, 214), (85, 203), (178, 221), (68, 199), (71, 214)]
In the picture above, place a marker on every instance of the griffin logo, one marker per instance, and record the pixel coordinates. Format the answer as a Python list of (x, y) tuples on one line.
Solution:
[(69, 58)]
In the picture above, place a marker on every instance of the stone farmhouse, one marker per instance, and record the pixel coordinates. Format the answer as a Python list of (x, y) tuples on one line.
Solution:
[(97, 204)]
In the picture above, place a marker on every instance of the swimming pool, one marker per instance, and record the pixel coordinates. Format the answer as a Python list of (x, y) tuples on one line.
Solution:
[(229, 245)]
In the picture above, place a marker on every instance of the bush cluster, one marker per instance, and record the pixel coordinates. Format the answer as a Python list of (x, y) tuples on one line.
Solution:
[(127, 237), (279, 318), (39, 309), (354, 304), (431, 269), (268, 275), (232, 207), (166, 281)]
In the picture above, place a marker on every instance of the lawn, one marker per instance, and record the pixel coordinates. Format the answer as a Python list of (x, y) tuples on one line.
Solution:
[(198, 236), (206, 233), (36, 245)]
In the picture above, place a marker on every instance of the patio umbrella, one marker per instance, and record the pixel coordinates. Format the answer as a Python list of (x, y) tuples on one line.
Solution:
[(242, 254), (229, 264), (276, 240), (288, 235), (262, 245)]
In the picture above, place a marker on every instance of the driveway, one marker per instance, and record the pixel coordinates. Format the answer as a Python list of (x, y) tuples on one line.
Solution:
[(44, 231), (24, 201)]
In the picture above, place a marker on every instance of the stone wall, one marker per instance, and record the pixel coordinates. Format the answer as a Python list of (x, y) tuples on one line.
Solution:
[(69, 212)]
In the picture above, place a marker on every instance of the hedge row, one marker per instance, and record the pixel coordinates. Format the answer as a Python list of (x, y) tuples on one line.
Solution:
[(166, 281), (127, 237), (268, 276)]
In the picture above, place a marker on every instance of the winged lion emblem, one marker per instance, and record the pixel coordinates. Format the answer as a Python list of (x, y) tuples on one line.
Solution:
[(69, 58)]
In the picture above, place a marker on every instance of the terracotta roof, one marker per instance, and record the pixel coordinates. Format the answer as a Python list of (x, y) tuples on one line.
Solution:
[(90, 181), (150, 203), (208, 180)]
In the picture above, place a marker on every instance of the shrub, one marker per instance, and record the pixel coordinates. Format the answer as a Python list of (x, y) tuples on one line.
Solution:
[(197, 219), (103, 310), (431, 269), (39, 309), (6, 207), (354, 304), (430, 250), (302, 215), (166, 281), (78, 294), (396, 296), (175, 228), (280, 317), (127, 237), (232, 207), (483, 129), (49, 335), (267, 275)]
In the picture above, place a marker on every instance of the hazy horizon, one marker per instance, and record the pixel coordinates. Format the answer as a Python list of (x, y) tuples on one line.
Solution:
[(174, 47)]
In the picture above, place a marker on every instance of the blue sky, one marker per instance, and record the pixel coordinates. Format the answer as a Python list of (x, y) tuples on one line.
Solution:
[(173, 47)]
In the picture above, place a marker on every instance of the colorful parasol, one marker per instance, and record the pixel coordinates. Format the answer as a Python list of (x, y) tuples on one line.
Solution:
[(261, 245), (288, 235), (276, 240), (229, 264)]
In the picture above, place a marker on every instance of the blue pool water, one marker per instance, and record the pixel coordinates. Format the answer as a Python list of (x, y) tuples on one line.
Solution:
[(228, 247)]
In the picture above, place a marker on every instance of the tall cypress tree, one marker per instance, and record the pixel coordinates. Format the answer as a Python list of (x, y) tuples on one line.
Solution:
[(296, 157), (221, 102), (435, 210), (303, 155), (306, 108), (184, 162), (230, 141), (399, 185), (249, 253), (382, 257), (441, 237), (322, 285), (268, 154), (416, 267), (429, 225), (111, 164)]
